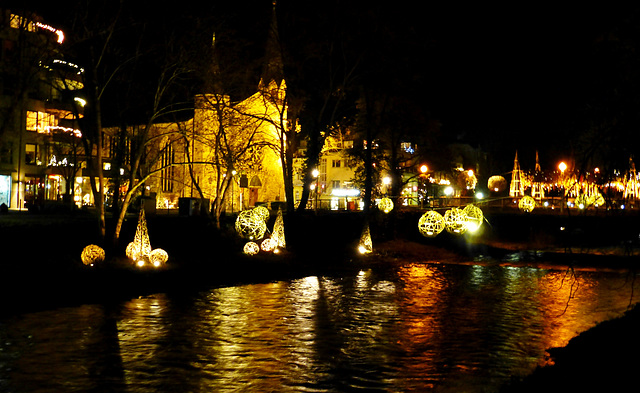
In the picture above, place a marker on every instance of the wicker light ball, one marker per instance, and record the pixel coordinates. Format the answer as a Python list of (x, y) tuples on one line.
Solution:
[(250, 225), (251, 248), (474, 217), (158, 257), (261, 212), (527, 204), (268, 245), (92, 254), (385, 204), (132, 251), (431, 224), (455, 221)]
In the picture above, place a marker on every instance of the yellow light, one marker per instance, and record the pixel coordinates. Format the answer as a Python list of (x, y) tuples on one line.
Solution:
[(455, 221), (562, 166), (251, 248), (315, 173), (527, 204), (365, 246), (424, 169), (431, 223), (92, 254), (385, 204)]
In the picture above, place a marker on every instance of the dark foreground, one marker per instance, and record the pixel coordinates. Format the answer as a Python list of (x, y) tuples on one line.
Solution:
[(42, 269)]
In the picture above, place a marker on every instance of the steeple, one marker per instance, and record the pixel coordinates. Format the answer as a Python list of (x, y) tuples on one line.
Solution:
[(273, 68), (517, 187)]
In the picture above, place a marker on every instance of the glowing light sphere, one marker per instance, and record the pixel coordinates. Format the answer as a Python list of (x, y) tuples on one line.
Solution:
[(261, 212), (431, 224), (455, 221), (366, 245), (251, 248), (250, 225), (474, 217), (268, 245), (158, 257), (496, 183), (527, 204), (92, 254), (385, 204)]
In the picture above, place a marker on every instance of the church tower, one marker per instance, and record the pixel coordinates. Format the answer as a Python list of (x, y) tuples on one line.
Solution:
[(517, 187), (537, 191)]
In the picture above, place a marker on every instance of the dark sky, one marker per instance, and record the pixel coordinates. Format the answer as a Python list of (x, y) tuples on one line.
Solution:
[(507, 77)]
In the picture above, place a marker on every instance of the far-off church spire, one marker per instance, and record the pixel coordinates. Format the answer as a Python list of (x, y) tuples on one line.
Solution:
[(273, 68)]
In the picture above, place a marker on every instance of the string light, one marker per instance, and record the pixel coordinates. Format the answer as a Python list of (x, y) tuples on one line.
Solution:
[(431, 223), (527, 204), (92, 254), (385, 204), (365, 246)]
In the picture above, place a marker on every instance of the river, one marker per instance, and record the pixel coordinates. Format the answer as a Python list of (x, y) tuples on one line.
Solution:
[(419, 327)]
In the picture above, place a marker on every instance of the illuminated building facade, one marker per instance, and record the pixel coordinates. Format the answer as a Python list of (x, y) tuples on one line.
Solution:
[(37, 121), (333, 187)]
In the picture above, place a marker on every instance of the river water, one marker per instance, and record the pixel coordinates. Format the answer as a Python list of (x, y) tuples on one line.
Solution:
[(419, 327)]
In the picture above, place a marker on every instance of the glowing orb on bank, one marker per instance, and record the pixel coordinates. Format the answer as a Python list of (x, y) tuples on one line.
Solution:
[(385, 204), (431, 223), (251, 248), (158, 257), (251, 225), (455, 221), (268, 245), (474, 217), (261, 212), (92, 254), (527, 204)]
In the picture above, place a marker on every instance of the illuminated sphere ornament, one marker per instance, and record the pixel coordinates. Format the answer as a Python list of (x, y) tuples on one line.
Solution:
[(158, 257), (385, 204), (261, 212), (92, 254), (474, 217), (431, 224), (527, 204), (496, 183), (455, 221), (251, 248), (268, 244), (250, 225)]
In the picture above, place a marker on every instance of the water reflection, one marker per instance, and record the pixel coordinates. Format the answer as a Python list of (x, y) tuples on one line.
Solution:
[(421, 327)]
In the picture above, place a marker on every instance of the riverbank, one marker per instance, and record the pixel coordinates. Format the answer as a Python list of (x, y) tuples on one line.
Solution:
[(602, 359), (42, 269)]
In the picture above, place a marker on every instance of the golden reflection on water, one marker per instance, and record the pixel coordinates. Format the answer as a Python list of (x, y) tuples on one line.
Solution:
[(420, 327)]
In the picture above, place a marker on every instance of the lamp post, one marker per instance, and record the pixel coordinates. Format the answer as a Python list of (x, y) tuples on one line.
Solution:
[(562, 166), (233, 173), (423, 175), (316, 174)]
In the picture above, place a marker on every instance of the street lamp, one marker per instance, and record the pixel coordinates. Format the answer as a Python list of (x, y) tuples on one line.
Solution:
[(562, 166)]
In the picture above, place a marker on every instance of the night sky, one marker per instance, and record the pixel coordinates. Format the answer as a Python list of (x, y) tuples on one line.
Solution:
[(501, 77)]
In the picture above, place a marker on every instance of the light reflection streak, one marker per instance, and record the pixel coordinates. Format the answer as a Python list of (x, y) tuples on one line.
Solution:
[(422, 326)]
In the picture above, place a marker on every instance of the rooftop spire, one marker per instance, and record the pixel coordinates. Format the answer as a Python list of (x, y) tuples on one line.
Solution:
[(273, 69)]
